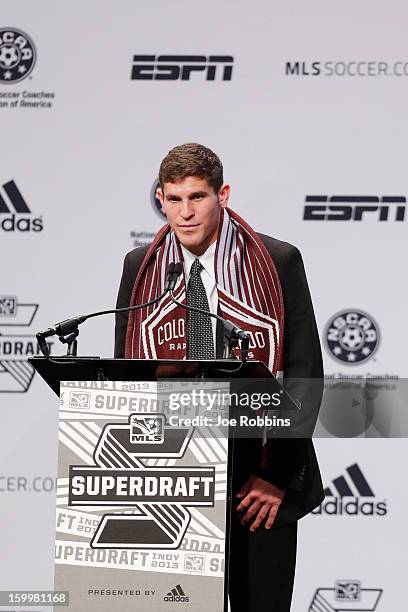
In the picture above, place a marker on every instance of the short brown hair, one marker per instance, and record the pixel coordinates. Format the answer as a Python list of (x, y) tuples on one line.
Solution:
[(191, 159)]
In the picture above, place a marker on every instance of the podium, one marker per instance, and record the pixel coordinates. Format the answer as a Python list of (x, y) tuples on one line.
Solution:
[(142, 509)]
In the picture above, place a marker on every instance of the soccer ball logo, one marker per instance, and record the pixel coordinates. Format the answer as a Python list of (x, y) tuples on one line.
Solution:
[(17, 55), (352, 336), (150, 425), (9, 56)]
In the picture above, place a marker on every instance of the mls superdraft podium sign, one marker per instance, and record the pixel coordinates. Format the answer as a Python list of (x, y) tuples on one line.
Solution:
[(141, 505)]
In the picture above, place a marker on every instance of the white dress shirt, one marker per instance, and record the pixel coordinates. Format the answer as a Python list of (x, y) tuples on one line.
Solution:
[(207, 276)]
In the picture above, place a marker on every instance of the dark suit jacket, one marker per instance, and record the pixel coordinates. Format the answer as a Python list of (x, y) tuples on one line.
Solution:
[(292, 463)]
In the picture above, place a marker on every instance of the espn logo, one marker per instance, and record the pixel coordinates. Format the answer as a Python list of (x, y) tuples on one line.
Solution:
[(181, 67), (354, 208)]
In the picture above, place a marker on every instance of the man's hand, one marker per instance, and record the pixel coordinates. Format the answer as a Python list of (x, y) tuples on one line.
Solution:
[(262, 500)]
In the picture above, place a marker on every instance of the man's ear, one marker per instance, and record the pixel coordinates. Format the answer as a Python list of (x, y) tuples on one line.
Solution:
[(160, 195), (224, 194)]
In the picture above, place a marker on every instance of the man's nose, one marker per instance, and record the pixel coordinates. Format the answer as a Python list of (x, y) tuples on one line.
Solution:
[(187, 209)]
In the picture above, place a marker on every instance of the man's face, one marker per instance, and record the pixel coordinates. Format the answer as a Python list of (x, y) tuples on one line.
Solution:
[(193, 211)]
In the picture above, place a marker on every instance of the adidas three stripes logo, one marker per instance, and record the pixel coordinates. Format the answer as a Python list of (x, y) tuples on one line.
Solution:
[(12, 200)]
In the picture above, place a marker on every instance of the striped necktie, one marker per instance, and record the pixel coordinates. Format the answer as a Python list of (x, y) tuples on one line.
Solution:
[(200, 341)]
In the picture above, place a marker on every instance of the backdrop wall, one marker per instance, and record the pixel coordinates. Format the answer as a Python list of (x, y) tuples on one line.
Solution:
[(307, 109)]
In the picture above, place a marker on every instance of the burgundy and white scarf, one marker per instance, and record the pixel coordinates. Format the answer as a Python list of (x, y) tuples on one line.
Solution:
[(249, 295)]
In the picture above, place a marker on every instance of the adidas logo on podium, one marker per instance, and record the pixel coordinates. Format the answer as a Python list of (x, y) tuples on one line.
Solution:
[(15, 215), (177, 595), (351, 494)]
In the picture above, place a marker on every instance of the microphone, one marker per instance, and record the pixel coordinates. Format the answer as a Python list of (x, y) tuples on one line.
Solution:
[(70, 326), (173, 272), (63, 328), (232, 333)]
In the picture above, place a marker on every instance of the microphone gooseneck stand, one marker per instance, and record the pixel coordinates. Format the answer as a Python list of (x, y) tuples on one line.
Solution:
[(68, 330)]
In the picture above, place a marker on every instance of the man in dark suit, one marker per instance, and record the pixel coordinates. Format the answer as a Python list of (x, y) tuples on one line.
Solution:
[(273, 493)]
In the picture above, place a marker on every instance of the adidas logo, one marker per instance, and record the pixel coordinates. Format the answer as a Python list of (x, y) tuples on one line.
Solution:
[(351, 494), (177, 594), (15, 214)]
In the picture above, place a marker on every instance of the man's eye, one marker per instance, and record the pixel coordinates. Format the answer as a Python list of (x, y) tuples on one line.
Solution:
[(198, 197)]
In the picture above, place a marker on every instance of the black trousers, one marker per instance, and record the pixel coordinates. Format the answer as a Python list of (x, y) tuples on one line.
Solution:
[(261, 567)]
